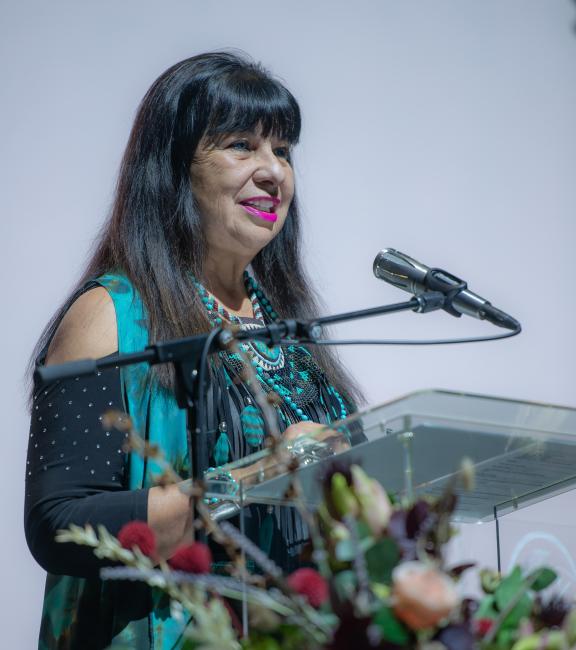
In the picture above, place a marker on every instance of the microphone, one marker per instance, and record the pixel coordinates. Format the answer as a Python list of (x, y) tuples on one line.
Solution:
[(406, 273)]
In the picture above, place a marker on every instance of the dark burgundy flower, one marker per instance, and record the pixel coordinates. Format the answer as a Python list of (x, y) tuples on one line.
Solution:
[(468, 608), (552, 612), (457, 570), (192, 558), (138, 533), (309, 583), (358, 633), (397, 531), (351, 632), (416, 518)]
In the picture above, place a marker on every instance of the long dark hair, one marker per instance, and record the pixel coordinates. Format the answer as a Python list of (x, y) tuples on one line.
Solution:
[(153, 234)]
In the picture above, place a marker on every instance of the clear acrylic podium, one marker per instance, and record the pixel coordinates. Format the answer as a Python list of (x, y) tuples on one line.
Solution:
[(523, 453)]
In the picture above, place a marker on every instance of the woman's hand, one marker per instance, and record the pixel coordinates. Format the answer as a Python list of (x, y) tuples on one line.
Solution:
[(319, 432), (313, 429), (268, 466)]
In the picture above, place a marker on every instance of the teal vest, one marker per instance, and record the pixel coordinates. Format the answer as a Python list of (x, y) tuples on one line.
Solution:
[(157, 418)]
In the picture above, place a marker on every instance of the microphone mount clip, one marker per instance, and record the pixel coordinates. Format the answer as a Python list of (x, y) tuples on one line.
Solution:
[(439, 280)]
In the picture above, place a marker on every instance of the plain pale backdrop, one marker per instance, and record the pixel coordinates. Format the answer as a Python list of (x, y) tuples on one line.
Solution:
[(444, 129)]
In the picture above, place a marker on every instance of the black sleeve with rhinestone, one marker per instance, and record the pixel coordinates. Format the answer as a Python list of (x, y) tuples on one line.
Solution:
[(76, 471)]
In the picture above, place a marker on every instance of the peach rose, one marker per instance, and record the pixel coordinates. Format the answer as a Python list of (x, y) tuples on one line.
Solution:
[(422, 596)]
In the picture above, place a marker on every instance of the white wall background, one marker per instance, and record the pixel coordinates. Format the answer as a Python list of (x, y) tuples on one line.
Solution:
[(444, 129)]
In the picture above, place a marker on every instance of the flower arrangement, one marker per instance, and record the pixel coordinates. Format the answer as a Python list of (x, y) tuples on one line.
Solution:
[(381, 581)]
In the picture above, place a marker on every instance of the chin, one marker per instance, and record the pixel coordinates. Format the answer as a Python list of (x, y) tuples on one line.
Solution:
[(254, 242)]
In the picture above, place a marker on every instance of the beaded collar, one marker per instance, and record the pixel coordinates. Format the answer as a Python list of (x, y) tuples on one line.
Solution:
[(290, 372), (217, 313)]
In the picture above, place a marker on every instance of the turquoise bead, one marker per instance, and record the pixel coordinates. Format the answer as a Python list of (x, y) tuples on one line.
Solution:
[(262, 304)]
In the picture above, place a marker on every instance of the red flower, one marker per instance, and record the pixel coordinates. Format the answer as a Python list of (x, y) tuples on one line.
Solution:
[(193, 558), (138, 533), (309, 583), (482, 626)]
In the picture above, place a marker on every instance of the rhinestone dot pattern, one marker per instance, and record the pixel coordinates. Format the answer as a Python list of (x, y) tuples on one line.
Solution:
[(76, 469)]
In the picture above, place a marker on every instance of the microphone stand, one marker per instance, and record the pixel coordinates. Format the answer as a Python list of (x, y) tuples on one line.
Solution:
[(190, 359)]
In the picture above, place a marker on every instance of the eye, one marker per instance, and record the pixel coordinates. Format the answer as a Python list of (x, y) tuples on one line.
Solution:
[(282, 152), (239, 145)]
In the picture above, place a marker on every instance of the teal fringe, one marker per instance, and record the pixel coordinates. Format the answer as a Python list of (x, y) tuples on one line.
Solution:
[(265, 534), (252, 426), (222, 449)]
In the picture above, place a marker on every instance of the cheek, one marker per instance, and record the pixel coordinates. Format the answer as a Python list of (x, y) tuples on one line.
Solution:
[(206, 176), (282, 216), (288, 187), (211, 199)]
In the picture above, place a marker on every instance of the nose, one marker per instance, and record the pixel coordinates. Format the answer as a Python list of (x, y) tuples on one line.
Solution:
[(269, 168)]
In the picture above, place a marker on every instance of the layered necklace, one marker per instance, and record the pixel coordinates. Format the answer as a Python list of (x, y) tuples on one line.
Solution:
[(290, 372)]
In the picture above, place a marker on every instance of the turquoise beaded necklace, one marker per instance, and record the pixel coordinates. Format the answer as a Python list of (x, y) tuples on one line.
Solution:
[(268, 361)]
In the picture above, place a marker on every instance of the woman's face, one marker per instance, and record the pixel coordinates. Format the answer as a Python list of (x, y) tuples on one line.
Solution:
[(243, 185)]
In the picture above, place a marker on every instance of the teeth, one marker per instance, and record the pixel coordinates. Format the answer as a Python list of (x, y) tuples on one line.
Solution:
[(261, 204)]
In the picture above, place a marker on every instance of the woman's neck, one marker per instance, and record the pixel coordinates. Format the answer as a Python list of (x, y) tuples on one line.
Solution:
[(226, 283)]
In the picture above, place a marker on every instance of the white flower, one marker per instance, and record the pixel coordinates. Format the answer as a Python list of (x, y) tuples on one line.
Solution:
[(375, 506)]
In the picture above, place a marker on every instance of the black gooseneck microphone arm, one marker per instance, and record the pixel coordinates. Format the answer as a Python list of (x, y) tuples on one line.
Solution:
[(190, 358)]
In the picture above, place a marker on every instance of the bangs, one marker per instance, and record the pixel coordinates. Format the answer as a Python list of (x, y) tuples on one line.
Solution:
[(246, 100)]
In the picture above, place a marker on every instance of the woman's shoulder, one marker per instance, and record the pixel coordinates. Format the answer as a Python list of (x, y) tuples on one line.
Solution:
[(87, 330)]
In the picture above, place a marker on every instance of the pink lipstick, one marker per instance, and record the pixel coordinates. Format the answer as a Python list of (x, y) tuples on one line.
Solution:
[(261, 214), (261, 207)]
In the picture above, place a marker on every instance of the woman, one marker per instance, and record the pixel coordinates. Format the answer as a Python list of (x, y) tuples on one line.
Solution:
[(204, 229)]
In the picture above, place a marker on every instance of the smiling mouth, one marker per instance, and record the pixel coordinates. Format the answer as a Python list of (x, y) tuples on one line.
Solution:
[(261, 207)]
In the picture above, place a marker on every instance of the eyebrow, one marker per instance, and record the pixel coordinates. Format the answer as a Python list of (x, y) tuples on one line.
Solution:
[(219, 137)]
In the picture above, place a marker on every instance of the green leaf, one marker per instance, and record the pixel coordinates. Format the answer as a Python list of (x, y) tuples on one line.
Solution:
[(291, 637), (508, 589), (391, 628), (345, 550), (487, 608), (542, 578), (570, 627), (520, 611), (260, 642), (363, 530), (505, 638), (381, 560), (345, 583), (189, 644)]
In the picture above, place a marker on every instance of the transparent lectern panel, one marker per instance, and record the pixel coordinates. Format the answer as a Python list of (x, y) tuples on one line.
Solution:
[(254, 474), (415, 444), (541, 533)]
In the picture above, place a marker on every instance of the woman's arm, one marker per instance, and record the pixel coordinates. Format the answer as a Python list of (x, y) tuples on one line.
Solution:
[(75, 471), (57, 496)]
